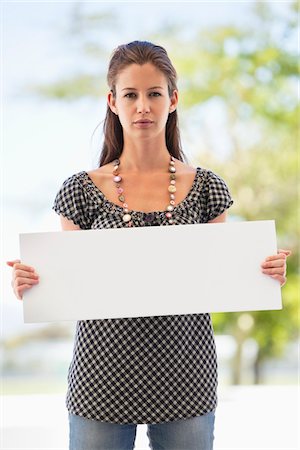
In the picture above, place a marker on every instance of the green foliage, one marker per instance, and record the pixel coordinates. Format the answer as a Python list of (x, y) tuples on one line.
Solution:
[(71, 88)]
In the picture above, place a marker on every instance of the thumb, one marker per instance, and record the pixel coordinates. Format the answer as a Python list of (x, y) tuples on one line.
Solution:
[(285, 252), (11, 263)]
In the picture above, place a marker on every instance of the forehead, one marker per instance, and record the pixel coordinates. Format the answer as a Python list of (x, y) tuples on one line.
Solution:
[(139, 76)]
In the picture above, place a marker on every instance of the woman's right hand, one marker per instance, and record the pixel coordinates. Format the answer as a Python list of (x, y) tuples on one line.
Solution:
[(23, 277)]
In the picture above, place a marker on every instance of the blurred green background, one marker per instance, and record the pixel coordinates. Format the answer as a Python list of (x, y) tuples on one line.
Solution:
[(239, 116)]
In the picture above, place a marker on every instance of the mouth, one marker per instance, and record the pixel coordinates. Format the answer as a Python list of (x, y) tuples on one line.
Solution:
[(143, 121)]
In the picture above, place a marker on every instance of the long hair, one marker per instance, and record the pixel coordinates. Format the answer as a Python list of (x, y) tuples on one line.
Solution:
[(138, 52)]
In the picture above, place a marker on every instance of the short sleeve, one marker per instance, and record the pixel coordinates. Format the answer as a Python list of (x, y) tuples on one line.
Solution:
[(72, 202), (218, 196)]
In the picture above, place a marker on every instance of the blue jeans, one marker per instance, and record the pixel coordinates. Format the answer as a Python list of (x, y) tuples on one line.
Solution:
[(196, 433)]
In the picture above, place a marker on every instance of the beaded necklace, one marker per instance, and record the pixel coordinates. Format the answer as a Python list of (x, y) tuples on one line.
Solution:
[(120, 191)]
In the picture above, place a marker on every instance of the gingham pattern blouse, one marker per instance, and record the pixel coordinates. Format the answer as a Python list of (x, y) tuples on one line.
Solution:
[(142, 369)]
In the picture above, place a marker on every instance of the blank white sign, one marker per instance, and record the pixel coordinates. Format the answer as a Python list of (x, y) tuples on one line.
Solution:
[(150, 271)]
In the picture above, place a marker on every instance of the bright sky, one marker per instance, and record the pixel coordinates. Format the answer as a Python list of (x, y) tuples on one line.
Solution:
[(45, 141)]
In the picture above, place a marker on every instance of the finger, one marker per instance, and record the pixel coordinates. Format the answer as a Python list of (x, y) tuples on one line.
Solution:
[(19, 291), (275, 271), (25, 281), (18, 295), (11, 263), (286, 252), (24, 274), (19, 266), (279, 278), (273, 263), (274, 257)]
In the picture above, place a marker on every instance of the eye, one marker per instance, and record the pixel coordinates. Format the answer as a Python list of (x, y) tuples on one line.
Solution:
[(155, 94), (130, 95)]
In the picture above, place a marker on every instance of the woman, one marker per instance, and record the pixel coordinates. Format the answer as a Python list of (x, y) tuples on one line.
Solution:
[(159, 370)]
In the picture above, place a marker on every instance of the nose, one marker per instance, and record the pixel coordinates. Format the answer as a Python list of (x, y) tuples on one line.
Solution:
[(143, 106)]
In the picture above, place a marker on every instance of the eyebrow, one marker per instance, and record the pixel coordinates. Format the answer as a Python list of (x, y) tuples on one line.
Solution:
[(134, 89)]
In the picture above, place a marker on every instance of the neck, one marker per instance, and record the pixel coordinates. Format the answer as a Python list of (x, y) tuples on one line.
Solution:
[(144, 157)]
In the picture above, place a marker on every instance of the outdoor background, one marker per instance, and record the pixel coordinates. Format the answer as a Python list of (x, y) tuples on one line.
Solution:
[(238, 111)]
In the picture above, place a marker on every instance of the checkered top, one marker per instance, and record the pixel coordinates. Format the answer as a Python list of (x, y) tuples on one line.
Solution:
[(142, 369)]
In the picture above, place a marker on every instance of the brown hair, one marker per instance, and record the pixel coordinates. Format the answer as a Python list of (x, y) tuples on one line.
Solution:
[(138, 52)]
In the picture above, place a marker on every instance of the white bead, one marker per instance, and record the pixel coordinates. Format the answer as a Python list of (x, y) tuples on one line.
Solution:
[(127, 217), (173, 182), (170, 208), (172, 196)]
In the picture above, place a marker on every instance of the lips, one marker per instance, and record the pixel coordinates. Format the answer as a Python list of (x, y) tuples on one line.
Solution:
[(143, 121)]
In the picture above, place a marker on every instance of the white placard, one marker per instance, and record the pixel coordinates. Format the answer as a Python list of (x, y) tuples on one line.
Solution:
[(150, 271)]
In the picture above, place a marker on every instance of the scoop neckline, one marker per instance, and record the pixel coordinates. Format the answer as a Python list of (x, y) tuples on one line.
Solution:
[(132, 211)]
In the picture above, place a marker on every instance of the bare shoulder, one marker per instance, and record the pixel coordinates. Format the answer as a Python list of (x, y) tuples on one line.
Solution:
[(184, 168), (100, 172), (103, 169)]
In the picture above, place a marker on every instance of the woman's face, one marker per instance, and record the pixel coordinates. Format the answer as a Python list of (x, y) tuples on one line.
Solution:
[(142, 101)]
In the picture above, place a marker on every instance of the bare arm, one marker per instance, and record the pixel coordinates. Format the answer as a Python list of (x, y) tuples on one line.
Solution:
[(68, 225), (221, 218)]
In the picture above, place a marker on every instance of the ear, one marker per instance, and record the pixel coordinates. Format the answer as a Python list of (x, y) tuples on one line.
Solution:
[(111, 101), (174, 101)]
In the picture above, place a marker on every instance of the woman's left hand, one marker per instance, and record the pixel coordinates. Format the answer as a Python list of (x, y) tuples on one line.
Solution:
[(275, 266)]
